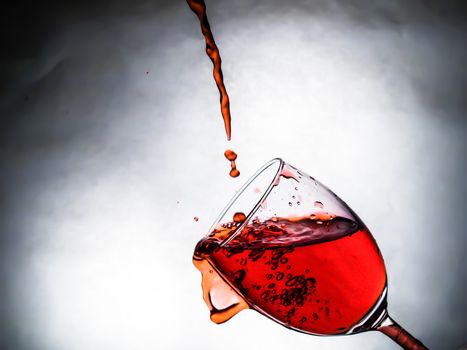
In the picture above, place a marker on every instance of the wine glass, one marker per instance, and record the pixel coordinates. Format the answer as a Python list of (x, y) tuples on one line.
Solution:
[(289, 248)]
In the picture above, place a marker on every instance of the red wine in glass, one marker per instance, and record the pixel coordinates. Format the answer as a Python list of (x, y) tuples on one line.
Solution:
[(300, 256)]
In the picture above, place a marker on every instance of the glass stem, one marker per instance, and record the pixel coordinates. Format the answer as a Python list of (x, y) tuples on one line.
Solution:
[(394, 331)]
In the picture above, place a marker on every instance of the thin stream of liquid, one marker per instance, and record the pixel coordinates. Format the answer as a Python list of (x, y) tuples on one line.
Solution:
[(199, 8)]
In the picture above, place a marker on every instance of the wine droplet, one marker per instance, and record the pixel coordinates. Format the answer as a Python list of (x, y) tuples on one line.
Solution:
[(239, 217), (234, 173), (232, 156), (196, 218), (318, 204)]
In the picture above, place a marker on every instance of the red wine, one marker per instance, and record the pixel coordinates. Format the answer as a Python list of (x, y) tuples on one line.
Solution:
[(232, 156), (199, 8), (316, 275)]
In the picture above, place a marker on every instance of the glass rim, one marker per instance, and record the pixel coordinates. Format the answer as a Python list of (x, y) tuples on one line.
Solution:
[(242, 189)]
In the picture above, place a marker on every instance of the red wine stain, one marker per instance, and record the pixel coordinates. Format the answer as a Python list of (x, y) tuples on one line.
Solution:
[(318, 204), (199, 8), (288, 174), (196, 218), (285, 173), (231, 156)]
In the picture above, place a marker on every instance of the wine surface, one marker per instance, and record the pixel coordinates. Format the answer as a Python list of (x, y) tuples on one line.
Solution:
[(312, 275)]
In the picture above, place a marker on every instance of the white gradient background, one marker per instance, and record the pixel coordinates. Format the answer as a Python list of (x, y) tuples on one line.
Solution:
[(105, 166)]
